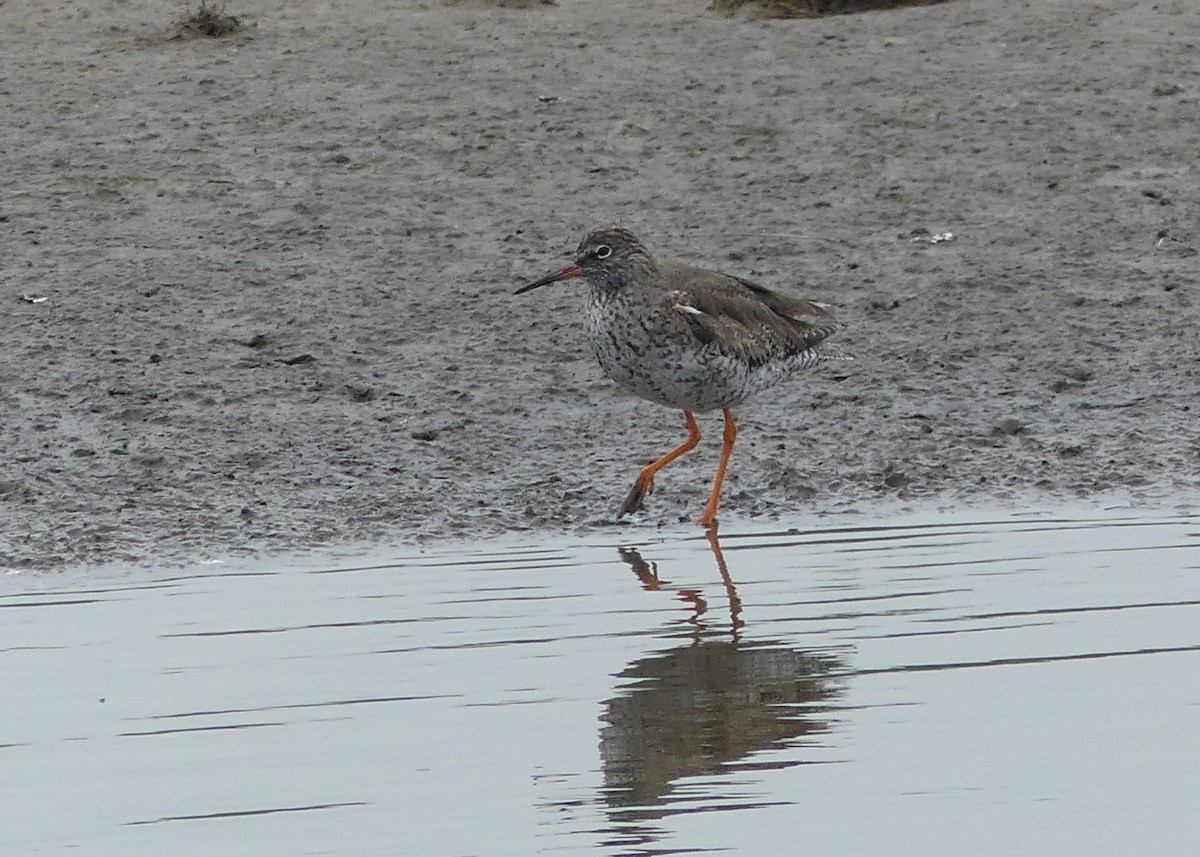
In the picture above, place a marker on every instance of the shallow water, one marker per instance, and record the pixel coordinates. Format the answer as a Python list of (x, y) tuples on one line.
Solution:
[(923, 684)]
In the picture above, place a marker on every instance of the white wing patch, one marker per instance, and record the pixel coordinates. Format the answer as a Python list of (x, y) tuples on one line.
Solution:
[(690, 310), (807, 318)]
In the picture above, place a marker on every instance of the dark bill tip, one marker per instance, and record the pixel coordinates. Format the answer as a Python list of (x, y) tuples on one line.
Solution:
[(572, 270)]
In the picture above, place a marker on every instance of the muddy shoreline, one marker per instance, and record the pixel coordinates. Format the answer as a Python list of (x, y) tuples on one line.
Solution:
[(277, 268)]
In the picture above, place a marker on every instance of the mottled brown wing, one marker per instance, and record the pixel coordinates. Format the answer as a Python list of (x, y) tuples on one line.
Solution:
[(744, 320)]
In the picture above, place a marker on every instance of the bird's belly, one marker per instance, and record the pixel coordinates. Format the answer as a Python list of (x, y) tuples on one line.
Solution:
[(674, 379), (675, 371), (694, 379)]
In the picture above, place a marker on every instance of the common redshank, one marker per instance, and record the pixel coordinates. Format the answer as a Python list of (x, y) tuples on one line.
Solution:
[(689, 338)]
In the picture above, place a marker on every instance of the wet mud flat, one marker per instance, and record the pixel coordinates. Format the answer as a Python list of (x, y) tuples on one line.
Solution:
[(257, 290)]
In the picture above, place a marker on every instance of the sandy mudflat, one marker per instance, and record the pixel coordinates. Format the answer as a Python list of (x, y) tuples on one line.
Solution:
[(277, 268)]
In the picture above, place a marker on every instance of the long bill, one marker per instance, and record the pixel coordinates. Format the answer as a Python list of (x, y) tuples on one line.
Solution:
[(572, 270)]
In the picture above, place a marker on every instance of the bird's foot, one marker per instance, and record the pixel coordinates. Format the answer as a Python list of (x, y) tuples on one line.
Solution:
[(642, 488)]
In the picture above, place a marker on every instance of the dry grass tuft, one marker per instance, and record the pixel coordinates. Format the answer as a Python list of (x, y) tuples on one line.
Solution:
[(500, 4), (209, 21), (809, 8)]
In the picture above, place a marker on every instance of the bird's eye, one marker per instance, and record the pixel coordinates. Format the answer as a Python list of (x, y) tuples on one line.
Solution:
[(602, 252)]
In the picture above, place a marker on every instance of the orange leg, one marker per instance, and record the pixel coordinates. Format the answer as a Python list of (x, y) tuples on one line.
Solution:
[(644, 484), (709, 518)]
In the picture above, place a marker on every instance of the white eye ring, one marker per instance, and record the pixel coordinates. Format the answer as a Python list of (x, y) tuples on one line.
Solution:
[(603, 251)]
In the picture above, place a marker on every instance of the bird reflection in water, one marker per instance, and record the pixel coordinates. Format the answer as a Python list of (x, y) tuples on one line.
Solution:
[(706, 707)]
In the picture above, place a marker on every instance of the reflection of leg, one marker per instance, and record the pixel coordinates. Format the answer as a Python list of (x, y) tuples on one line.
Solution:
[(709, 518), (735, 603), (647, 572), (644, 484), (699, 606)]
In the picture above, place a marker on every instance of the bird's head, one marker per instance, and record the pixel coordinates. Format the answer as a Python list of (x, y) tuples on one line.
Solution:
[(607, 258)]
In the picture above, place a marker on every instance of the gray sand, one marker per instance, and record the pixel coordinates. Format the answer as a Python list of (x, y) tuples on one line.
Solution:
[(277, 267)]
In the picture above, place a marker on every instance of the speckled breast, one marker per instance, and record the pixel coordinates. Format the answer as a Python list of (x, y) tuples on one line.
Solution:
[(657, 358)]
